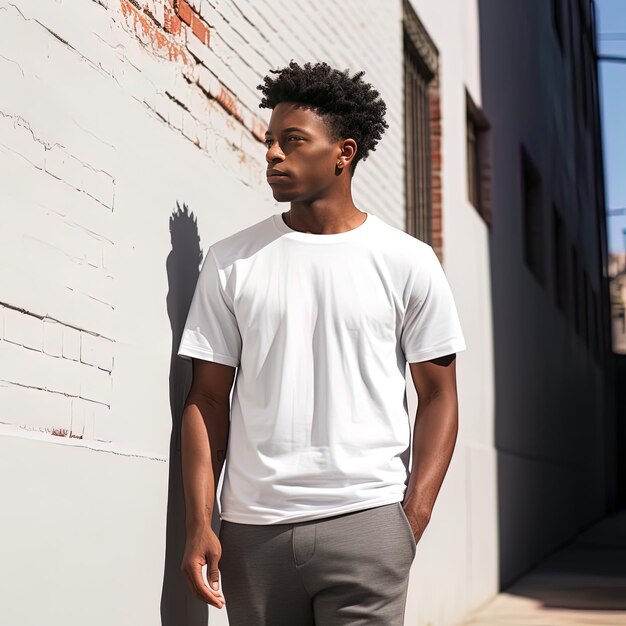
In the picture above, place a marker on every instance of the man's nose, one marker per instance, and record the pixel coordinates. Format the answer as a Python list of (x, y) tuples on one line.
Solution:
[(274, 152)]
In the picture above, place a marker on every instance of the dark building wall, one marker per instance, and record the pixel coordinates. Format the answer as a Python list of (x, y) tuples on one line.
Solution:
[(551, 341)]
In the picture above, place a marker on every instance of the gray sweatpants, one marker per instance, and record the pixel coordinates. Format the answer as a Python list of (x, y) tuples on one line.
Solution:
[(346, 569)]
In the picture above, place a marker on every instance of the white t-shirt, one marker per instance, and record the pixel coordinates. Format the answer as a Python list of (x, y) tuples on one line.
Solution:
[(320, 328)]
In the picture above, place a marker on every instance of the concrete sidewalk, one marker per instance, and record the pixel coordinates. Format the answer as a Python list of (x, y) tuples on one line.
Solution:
[(583, 584)]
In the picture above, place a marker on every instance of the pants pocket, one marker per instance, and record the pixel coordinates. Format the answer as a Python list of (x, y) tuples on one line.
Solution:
[(407, 524)]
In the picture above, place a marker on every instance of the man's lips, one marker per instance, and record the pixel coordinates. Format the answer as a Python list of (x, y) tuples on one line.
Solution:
[(275, 176)]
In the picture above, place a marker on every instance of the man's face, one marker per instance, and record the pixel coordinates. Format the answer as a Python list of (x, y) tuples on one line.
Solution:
[(299, 145)]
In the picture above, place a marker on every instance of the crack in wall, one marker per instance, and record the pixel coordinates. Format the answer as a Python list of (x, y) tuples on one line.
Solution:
[(54, 319), (16, 63), (98, 68), (91, 233), (87, 444), (20, 121), (84, 293), (177, 101), (11, 383)]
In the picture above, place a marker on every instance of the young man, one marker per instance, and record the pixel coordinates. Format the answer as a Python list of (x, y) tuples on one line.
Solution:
[(320, 308)]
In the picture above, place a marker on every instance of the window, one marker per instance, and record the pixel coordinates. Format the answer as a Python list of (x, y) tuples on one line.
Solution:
[(422, 132), (532, 218), (559, 249), (478, 175), (419, 197)]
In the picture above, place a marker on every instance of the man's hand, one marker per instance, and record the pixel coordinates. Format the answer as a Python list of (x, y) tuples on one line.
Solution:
[(418, 522), (203, 548)]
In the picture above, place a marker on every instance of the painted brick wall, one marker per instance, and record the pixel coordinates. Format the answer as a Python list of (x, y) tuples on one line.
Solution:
[(130, 141), (117, 113)]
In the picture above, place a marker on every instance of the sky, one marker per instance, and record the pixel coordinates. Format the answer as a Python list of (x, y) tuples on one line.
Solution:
[(611, 27)]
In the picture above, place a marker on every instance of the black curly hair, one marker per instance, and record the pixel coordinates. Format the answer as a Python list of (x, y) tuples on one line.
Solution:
[(350, 106)]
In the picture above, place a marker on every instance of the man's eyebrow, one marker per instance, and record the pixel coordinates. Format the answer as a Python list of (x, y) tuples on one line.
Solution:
[(286, 130)]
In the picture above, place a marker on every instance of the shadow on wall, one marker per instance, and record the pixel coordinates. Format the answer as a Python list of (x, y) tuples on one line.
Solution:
[(179, 607)]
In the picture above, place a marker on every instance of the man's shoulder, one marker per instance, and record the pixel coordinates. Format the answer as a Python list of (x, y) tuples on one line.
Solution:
[(245, 242), (399, 244)]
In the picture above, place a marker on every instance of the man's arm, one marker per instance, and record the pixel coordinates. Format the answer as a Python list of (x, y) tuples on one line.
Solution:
[(204, 439), (434, 437)]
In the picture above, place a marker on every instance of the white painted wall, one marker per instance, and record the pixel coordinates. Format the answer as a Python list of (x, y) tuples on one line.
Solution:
[(456, 565)]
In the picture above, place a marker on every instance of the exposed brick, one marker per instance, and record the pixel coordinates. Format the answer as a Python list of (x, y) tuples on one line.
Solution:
[(185, 12), (200, 30), (225, 98), (172, 22), (259, 129), (151, 35)]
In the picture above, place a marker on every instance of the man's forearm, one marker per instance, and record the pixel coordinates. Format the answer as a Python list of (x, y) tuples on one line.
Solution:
[(204, 439), (434, 438)]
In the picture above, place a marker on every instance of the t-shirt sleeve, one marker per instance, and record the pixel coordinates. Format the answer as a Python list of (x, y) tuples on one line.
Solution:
[(431, 326), (211, 331)]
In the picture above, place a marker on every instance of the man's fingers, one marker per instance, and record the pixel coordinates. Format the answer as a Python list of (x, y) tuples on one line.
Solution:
[(213, 575), (202, 592), (212, 596)]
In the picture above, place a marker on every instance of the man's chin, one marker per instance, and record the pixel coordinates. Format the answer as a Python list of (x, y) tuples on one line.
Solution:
[(282, 197)]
